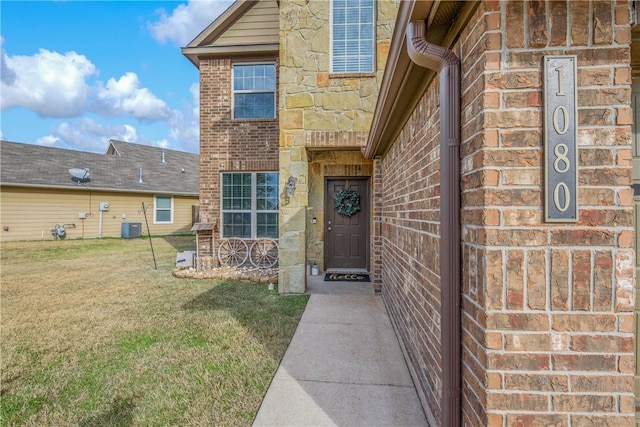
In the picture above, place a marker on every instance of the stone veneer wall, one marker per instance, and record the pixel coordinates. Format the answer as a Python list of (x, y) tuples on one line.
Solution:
[(547, 308), (323, 164), (227, 144), (319, 111)]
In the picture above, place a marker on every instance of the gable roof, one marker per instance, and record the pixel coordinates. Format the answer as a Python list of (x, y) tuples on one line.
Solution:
[(28, 165), (246, 27)]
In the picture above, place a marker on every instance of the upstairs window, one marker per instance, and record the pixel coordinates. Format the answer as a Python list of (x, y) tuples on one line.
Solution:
[(254, 91), (352, 36)]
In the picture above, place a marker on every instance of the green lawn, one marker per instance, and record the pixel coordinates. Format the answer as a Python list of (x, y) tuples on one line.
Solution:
[(92, 335)]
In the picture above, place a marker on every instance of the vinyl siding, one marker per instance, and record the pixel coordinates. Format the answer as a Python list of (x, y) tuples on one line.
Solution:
[(260, 25), (30, 213)]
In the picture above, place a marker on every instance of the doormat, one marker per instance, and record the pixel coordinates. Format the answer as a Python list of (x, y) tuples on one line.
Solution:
[(347, 277)]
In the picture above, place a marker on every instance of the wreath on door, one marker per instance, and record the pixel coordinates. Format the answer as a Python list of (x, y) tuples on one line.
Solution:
[(347, 202)]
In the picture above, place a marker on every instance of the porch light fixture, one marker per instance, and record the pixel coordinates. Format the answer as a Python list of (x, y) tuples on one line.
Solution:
[(291, 186)]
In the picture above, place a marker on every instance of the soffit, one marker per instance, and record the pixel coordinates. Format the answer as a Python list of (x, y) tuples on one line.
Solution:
[(404, 82)]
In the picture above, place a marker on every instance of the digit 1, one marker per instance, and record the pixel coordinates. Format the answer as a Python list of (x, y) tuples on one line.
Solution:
[(560, 81)]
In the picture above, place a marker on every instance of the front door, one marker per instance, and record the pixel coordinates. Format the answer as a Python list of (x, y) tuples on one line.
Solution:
[(347, 237)]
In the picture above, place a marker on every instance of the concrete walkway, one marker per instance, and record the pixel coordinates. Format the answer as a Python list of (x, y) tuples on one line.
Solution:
[(343, 367)]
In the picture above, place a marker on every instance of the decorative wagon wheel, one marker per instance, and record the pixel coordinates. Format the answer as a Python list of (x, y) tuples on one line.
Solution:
[(264, 253), (233, 252)]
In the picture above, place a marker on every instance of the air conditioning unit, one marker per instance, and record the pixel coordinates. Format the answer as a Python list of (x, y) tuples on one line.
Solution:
[(186, 259), (130, 230)]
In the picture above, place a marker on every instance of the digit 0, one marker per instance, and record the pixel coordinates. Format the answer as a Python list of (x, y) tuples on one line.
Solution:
[(561, 109), (564, 188)]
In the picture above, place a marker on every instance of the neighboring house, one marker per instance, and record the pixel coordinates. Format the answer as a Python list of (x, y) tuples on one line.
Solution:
[(496, 159), (37, 191)]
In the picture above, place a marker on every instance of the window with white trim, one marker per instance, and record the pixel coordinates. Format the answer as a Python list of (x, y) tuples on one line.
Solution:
[(163, 210), (250, 205), (254, 91), (352, 36)]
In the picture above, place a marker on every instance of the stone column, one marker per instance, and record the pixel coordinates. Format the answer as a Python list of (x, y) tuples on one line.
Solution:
[(320, 112), (293, 203)]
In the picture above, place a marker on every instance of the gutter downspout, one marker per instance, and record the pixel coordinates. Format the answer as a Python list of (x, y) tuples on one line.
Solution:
[(445, 62)]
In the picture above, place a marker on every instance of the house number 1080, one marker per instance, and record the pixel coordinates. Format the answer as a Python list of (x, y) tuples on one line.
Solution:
[(560, 139), (562, 163)]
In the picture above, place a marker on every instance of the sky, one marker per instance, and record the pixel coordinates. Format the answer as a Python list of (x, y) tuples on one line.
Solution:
[(75, 74)]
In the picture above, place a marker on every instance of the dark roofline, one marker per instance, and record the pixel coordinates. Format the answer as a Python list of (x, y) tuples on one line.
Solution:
[(35, 166), (114, 142), (85, 187)]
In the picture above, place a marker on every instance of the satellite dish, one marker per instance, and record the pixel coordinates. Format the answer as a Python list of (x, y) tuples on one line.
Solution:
[(79, 175)]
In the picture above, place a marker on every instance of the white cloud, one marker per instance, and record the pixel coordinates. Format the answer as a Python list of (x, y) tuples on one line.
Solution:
[(184, 127), (195, 92), (86, 134), (48, 83), (50, 141), (187, 20), (126, 97), (130, 134), (55, 85), (163, 143), (7, 75), (66, 86)]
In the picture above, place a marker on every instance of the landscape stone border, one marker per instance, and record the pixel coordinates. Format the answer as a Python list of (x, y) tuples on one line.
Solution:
[(247, 274)]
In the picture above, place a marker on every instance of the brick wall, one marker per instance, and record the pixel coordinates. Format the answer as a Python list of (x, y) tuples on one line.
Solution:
[(548, 322), (227, 144), (547, 308), (410, 176)]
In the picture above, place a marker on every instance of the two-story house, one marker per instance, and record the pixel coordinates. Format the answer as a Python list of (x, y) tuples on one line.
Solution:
[(479, 158), (287, 95)]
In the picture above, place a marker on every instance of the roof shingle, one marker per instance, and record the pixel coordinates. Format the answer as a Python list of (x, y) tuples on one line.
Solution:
[(117, 170)]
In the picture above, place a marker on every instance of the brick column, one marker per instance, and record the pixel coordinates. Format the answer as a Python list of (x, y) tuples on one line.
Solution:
[(293, 219), (376, 233), (226, 144), (215, 107)]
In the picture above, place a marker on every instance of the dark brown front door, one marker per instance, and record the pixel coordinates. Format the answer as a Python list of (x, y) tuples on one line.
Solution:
[(347, 237)]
